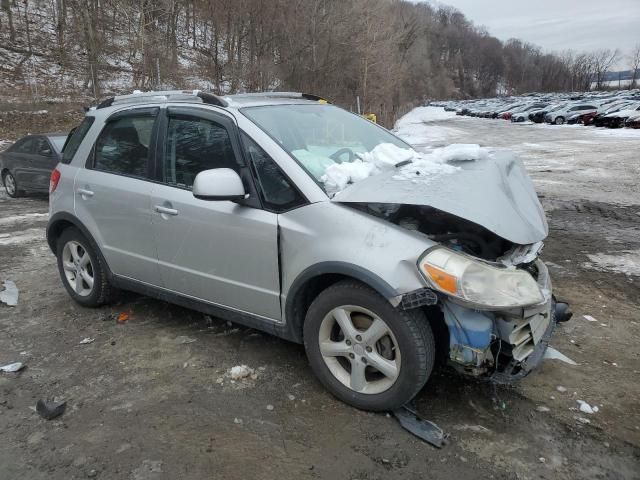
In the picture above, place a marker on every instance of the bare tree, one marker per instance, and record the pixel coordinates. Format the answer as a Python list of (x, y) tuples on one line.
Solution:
[(602, 62), (634, 64)]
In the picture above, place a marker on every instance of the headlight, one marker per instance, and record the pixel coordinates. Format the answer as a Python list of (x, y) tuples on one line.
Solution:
[(478, 283)]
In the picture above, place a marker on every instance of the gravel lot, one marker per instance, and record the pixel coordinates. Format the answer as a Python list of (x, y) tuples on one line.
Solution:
[(150, 398)]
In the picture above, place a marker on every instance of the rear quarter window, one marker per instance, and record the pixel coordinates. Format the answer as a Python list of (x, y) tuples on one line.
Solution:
[(75, 139)]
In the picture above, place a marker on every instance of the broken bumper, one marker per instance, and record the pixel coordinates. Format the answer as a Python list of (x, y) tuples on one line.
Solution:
[(504, 346)]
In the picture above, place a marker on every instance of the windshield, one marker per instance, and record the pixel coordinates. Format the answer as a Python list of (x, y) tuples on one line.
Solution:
[(318, 136)]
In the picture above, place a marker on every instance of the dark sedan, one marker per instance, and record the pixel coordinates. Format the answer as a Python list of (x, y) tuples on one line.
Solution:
[(27, 164)]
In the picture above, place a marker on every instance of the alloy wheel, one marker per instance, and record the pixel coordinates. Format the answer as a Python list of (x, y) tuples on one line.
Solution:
[(78, 269), (359, 349)]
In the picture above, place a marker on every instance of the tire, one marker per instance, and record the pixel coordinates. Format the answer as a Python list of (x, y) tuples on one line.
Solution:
[(406, 349), (10, 185), (559, 120), (85, 261)]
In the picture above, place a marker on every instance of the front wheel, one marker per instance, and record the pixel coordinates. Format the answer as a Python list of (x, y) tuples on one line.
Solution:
[(559, 120), (366, 352)]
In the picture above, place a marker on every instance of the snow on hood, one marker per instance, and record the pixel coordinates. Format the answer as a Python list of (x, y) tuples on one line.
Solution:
[(404, 162), (494, 190)]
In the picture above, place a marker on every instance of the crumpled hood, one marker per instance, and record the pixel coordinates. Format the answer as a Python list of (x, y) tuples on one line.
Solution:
[(495, 192)]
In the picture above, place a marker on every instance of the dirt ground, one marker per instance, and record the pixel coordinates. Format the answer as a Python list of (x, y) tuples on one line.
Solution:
[(151, 398)]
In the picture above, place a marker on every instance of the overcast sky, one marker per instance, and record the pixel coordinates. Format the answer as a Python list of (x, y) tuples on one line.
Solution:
[(557, 25)]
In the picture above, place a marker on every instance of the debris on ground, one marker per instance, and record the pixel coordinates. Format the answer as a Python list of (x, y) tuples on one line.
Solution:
[(583, 420), (589, 318), (542, 408), (421, 428), (553, 354), (291, 397), (586, 408), (122, 317), (240, 371), (561, 389), (269, 407), (9, 295), (12, 367), (182, 339), (87, 340), (50, 409)]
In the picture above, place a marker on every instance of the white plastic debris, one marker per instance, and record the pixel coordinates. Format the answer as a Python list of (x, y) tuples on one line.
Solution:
[(553, 354), (291, 397), (269, 407), (9, 295), (586, 421), (12, 367), (561, 389), (586, 408), (542, 408), (87, 340), (589, 318), (240, 371), (237, 421)]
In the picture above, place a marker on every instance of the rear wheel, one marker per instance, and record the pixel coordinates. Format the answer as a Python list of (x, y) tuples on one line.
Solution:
[(559, 120), (81, 269), (366, 352), (10, 185)]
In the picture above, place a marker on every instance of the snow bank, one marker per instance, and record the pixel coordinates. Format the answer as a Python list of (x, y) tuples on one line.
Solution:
[(416, 127), (424, 115), (627, 262), (409, 164)]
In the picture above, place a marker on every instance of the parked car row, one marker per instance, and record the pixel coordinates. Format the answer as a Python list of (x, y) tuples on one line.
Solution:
[(600, 109)]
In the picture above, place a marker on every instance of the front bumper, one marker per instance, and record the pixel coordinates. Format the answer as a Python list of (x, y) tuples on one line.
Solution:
[(503, 345)]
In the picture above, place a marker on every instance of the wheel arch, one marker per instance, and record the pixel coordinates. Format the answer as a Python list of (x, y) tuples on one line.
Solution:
[(316, 278), (63, 220)]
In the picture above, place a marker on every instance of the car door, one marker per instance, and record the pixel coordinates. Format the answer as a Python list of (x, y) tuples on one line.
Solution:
[(221, 252), (43, 160), (19, 161), (112, 194)]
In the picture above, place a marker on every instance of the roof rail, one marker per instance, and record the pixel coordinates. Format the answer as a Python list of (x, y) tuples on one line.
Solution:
[(164, 96), (306, 96)]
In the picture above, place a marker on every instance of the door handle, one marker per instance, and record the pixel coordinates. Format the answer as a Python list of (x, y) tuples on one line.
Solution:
[(85, 193), (166, 210)]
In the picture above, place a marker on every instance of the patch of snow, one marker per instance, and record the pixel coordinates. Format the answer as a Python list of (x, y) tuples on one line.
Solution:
[(240, 371), (25, 236), (19, 218), (586, 408), (627, 262)]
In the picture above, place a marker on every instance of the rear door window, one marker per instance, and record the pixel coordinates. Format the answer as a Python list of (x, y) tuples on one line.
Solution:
[(123, 146), (75, 138), (42, 147)]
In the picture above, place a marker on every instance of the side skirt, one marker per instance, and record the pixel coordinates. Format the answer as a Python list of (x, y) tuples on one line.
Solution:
[(235, 316)]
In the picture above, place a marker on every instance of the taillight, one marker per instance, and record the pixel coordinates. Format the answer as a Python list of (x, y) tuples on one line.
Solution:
[(53, 182)]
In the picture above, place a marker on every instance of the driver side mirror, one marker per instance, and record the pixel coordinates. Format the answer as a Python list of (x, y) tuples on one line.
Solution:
[(218, 184)]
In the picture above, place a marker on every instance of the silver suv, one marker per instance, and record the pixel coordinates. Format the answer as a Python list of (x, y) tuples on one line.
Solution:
[(234, 206)]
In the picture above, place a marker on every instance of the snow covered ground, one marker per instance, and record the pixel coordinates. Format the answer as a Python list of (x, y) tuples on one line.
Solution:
[(567, 162)]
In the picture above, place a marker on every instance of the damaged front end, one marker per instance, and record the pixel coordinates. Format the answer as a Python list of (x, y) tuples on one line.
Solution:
[(486, 226)]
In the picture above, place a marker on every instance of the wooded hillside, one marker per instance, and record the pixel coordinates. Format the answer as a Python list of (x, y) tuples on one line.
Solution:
[(390, 53)]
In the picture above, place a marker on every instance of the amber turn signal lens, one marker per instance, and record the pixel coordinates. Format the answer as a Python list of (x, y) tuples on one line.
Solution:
[(445, 281)]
